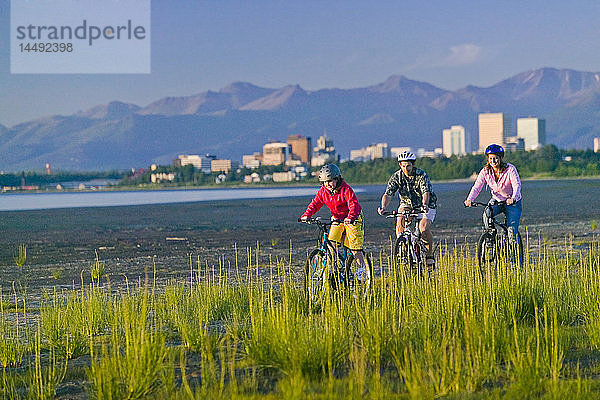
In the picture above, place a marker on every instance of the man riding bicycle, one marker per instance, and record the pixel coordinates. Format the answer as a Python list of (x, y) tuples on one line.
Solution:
[(414, 189), (336, 194)]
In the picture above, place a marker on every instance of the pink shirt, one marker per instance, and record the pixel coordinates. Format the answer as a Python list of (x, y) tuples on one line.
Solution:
[(507, 186)]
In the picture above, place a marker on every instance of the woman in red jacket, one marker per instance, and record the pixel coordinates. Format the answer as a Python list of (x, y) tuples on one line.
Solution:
[(336, 194)]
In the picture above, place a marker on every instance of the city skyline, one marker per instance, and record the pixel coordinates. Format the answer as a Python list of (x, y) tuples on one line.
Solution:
[(205, 46)]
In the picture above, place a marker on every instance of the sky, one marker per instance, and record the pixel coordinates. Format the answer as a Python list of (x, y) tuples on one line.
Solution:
[(200, 45)]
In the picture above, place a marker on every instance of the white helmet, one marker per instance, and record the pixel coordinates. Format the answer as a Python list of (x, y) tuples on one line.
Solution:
[(406, 156)]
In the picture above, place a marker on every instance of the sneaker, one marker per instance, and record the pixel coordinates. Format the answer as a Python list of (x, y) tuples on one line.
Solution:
[(430, 263), (361, 274)]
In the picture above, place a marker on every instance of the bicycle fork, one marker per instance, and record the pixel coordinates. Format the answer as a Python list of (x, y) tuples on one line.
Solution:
[(414, 239)]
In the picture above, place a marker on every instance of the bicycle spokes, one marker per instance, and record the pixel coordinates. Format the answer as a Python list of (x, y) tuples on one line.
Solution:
[(314, 276)]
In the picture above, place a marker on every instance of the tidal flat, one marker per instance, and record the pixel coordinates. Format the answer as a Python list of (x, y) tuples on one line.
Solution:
[(62, 244)]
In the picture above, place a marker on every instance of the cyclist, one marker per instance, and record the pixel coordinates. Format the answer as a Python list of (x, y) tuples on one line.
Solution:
[(414, 188), (336, 194), (505, 184)]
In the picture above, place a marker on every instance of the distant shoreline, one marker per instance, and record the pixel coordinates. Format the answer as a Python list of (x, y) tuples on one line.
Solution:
[(270, 185)]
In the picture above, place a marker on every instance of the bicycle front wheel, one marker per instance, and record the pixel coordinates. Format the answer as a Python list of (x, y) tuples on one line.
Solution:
[(401, 253), (520, 249), (486, 252), (359, 279), (509, 250), (316, 276), (418, 262)]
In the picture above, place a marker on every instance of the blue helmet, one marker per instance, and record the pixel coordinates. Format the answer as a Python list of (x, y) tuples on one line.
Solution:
[(494, 149)]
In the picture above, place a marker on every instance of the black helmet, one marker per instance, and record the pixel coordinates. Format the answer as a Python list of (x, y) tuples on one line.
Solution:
[(495, 149), (329, 172)]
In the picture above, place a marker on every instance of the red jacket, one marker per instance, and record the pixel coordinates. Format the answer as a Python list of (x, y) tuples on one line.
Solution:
[(343, 203)]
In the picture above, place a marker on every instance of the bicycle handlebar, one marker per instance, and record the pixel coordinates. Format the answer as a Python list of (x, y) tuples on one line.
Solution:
[(319, 221), (475, 204), (407, 213), (478, 203)]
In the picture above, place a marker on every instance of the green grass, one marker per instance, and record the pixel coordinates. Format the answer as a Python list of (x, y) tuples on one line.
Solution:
[(249, 332)]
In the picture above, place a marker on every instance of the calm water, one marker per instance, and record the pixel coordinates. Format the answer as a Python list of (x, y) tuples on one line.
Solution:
[(40, 201)]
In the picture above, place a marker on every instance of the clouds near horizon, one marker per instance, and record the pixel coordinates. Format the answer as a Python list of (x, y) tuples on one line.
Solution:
[(461, 55)]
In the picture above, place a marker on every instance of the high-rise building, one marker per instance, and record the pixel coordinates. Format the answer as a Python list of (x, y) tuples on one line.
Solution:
[(276, 153), (493, 128), (597, 145), (324, 152), (359, 155), (514, 143), (301, 147), (533, 132), (199, 162), (377, 150), (453, 141), (252, 160), (394, 151), (222, 165)]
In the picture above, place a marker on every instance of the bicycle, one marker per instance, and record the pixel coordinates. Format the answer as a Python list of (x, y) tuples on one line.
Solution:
[(495, 245), (409, 248), (332, 265)]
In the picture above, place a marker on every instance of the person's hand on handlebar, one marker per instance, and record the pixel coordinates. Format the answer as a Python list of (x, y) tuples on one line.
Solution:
[(348, 221), (468, 203), (303, 218), (380, 210), (509, 201)]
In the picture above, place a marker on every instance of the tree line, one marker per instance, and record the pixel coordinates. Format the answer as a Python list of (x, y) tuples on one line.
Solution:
[(548, 161), (34, 178)]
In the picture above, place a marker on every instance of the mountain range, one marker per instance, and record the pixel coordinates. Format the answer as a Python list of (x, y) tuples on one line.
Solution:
[(241, 117)]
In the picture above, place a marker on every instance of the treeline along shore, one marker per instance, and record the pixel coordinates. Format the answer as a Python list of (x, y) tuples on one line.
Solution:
[(546, 162)]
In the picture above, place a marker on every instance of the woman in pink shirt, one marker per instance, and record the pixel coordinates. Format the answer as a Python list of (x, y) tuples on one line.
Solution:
[(503, 180)]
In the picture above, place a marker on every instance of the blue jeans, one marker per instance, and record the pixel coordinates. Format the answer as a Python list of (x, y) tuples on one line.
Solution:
[(513, 216)]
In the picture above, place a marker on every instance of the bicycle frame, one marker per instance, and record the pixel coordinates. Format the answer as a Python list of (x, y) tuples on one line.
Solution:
[(411, 235), (327, 247), (337, 260), (488, 245), (491, 228), (325, 243)]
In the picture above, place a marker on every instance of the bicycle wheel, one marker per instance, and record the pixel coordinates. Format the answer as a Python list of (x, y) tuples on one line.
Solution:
[(316, 276), (520, 258), (401, 252), (359, 279), (418, 259), (510, 251), (421, 259), (486, 252)]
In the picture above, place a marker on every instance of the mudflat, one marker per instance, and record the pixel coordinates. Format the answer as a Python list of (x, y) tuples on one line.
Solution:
[(62, 244)]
